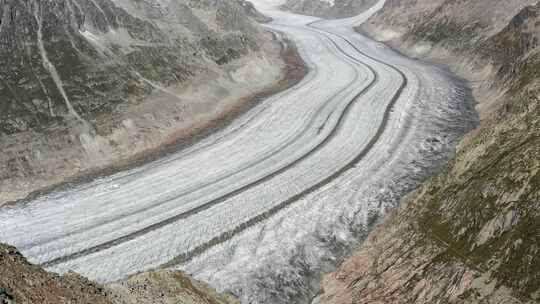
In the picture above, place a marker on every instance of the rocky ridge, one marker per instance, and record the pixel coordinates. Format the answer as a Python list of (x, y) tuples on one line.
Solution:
[(471, 234)]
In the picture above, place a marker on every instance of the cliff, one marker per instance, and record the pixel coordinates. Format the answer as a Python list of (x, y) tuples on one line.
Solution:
[(471, 234)]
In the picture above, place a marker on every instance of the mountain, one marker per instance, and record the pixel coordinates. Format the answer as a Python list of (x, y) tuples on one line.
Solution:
[(76, 58), (328, 8), (471, 234), (89, 83)]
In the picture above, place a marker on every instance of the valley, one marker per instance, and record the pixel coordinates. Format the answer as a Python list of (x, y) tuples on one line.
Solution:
[(265, 206)]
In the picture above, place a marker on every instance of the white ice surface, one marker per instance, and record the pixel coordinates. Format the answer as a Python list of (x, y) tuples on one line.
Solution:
[(281, 148)]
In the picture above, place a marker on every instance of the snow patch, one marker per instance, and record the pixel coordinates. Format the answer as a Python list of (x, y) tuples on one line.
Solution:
[(422, 48)]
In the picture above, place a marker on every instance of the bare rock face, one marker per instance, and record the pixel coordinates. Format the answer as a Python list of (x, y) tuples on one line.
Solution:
[(472, 233), (329, 8)]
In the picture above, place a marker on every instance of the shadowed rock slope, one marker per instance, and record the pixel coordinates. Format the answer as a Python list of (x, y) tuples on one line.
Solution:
[(471, 234)]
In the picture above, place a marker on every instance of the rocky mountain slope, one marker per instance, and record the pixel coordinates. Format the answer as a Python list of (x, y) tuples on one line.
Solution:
[(471, 234), (22, 282), (328, 8), (87, 83)]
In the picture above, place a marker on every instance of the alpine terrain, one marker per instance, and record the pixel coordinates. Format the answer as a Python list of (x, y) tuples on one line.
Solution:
[(88, 84), (273, 151)]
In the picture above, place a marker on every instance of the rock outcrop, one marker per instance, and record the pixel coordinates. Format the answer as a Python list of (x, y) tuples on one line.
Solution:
[(89, 83), (471, 234), (24, 283)]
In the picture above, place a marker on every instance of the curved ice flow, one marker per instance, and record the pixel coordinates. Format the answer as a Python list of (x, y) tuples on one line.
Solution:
[(282, 147)]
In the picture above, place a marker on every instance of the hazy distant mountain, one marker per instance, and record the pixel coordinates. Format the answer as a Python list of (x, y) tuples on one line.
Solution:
[(329, 8)]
